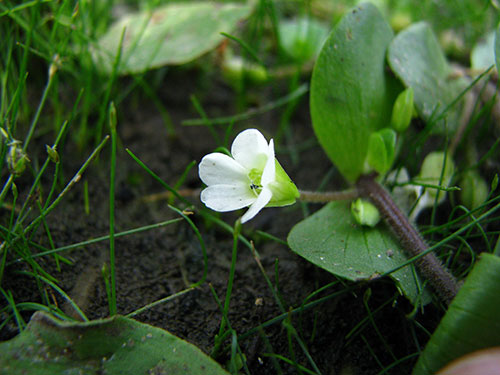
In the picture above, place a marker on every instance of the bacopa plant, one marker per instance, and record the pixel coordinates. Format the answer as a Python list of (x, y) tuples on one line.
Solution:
[(360, 111)]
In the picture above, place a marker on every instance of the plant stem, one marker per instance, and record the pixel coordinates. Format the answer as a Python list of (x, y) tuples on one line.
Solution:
[(232, 271), (112, 179), (319, 197), (429, 265)]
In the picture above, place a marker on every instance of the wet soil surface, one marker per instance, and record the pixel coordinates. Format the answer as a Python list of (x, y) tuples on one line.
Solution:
[(158, 263)]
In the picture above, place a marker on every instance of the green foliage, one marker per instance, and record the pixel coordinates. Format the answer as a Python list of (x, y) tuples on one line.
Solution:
[(471, 322), (483, 53), (350, 93), (497, 48), (474, 190), (114, 346), (331, 239), (381, 150), (302, 38), (172, 34), (437, 170), (402, 112), (417, 59)]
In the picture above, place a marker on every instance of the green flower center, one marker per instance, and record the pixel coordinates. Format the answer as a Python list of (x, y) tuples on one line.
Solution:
[(255, 176)]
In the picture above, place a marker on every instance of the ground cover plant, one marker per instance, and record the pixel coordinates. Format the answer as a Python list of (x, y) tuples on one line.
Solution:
[(262, 187)]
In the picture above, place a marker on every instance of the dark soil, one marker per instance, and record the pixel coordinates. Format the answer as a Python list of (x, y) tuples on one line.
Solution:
[(158, 263)]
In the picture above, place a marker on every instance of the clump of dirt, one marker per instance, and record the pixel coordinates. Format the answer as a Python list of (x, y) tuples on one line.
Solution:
[(158, 263)]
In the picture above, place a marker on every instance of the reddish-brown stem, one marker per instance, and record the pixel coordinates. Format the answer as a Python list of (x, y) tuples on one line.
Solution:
[(429, 265), (325, 197)]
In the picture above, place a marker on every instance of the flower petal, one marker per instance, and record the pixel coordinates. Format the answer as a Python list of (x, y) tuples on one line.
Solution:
[(263, 199), (250, 149), (269, 173), (223, 198), (217, 168)]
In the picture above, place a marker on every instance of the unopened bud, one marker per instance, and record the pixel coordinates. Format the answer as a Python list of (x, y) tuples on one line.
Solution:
[(400, 20), (54, 66), (365, 213), (53, 154), (402, 111), (16, 158), (15, 192), (234, 69), (4, 133)]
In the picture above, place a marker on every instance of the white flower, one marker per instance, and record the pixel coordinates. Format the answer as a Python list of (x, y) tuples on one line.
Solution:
[(251, 178)]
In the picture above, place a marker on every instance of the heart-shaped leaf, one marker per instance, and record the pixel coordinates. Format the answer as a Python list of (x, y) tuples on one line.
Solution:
[(418, 60), (332, 240), (471, 322), (350, 92), (114, 346), (172, 34)]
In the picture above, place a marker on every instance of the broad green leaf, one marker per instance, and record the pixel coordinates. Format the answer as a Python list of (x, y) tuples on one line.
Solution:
[(350, 93), (114, 346), (471, 322), (418, 60), (483, 53), (331, 239), (173, 34)]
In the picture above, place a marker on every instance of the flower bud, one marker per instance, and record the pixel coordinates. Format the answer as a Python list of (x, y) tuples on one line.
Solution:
[(54, 66), (15, 192), (402, 111), (365, 213), (400, 20), (234, 69), (4, 133), (53, 154), (16, 158)]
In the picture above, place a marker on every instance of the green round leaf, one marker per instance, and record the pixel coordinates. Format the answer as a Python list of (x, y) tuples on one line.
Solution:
[(418, 60), (331, 239), (173, 34), (114, 346), (350, 93)]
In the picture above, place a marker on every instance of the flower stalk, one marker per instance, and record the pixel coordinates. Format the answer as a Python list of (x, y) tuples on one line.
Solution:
[(330, 196)]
